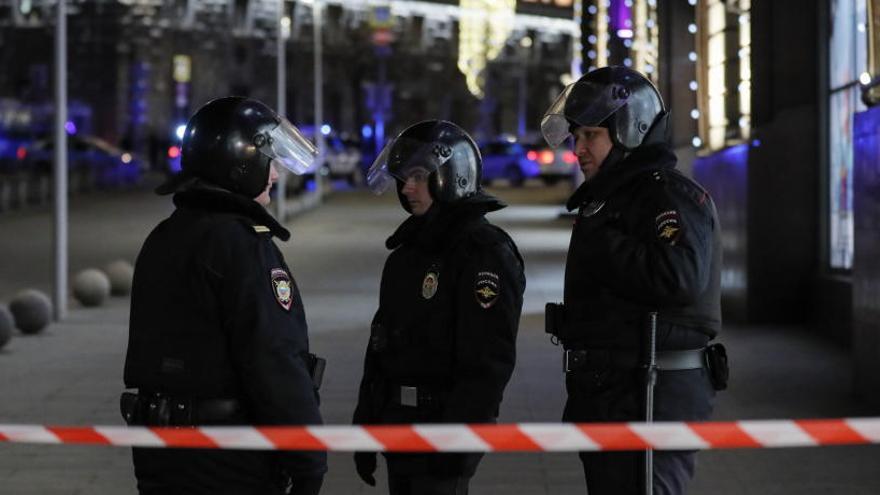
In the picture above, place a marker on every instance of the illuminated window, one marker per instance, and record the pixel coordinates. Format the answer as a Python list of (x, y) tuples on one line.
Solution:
[(724, 72), (848, 43)]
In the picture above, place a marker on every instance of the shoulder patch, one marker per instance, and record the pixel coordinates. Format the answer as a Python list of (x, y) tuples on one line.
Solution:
[(668, 226), (282, 287), (487, 288)]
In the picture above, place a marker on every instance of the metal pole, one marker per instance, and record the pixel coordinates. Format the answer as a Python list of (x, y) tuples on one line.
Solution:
[(281, 186), (319, 94), (60, 172), (381, 104), (650, 381)]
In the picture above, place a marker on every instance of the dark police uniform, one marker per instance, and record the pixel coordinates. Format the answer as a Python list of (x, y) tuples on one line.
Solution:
[(218, 336), (645, 239), (443, 341)]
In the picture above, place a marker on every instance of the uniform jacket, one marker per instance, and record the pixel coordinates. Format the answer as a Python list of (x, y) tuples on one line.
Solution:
[(646, 238), (449, 307), (216, 313)]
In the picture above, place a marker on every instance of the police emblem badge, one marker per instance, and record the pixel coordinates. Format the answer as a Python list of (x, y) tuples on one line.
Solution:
[(281, 286), (487, 287), (429, 284), (668, 226)]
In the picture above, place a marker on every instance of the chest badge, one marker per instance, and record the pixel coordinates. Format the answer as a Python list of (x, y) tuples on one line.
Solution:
[(429, 284), (282, 288), (487, 288), (592, 208)]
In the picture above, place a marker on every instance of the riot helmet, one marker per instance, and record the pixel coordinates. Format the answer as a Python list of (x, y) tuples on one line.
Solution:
[(230, 142), (441, 150), (617, 97)]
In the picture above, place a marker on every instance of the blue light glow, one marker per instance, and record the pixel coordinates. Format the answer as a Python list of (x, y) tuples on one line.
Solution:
[(179, 131), (367, 131), (325, 129)]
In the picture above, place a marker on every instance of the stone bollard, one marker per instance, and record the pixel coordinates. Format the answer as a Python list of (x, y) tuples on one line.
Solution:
[(32, 311), (6, 326), (120, 273), (91, 287)]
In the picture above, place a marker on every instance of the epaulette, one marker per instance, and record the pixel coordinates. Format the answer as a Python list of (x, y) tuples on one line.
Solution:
[(249, 224), (487, 234), (678, 181)]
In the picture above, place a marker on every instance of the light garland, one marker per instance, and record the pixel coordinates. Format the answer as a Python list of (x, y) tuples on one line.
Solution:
[(483, 29)]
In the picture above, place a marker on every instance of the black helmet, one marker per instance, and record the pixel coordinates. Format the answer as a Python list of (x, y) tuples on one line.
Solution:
[(230, 142), (437, 147), (639, 116)]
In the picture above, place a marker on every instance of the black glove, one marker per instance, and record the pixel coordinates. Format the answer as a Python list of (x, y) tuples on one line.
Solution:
[(306, 486), (365, 464)]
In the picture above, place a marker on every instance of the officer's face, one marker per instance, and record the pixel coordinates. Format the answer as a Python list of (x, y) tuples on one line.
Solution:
[(415, 189), (591, 146), (263, 198)]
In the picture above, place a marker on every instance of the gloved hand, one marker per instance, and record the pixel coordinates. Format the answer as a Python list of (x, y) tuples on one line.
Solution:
[(365, 464)]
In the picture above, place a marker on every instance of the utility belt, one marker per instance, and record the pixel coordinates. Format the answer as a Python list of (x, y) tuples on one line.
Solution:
[(161, 409), (712, 357), (421, 397), (599, 359)]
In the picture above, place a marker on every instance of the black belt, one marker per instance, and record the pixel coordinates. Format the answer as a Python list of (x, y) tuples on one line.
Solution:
[(415, 396), (161, 409), (597, 359)]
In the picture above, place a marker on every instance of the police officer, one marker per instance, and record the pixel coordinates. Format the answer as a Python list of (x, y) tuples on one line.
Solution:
[(218, 333), (443, 341), (646, 240)]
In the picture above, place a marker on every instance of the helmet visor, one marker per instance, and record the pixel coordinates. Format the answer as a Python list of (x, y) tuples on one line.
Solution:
[(583, 103), (288, 146), (404, 158)]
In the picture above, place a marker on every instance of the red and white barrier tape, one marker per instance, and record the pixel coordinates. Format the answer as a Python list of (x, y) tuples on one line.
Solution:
[(518, 437)]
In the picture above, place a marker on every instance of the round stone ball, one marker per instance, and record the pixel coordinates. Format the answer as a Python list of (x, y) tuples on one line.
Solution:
[(120, 273), (91, 287), (6, 325), (31, 310)]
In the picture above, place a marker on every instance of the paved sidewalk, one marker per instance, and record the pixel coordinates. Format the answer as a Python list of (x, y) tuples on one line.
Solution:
[(71, 374)]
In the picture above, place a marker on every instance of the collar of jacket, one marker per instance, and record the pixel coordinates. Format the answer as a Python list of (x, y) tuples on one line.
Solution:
[(611, 178), (441, 224), (206, 197)]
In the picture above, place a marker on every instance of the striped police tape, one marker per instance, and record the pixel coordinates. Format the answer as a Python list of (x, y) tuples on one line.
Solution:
[(517, 437)]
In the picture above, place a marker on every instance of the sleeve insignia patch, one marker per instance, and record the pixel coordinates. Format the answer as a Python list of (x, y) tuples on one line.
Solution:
[(487, 288), (429, 284), (668, 226), (282, 288)]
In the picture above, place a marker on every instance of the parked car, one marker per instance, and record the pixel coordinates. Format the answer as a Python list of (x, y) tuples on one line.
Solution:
[(91, 161), (555, 164), (343, 160), (519, 162), (508, 160), (13, 150)]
